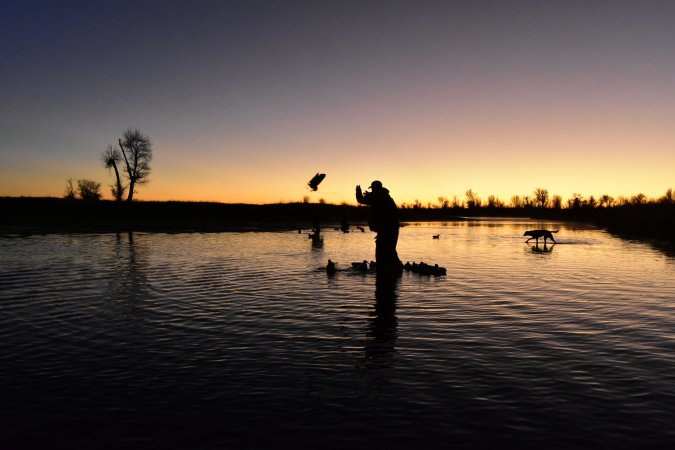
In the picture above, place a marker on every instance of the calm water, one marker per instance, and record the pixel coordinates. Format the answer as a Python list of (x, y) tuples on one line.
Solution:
[(236, 340)]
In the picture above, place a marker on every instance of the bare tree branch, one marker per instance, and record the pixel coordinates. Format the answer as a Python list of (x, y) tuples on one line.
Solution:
[(111, 156), (136, 151)]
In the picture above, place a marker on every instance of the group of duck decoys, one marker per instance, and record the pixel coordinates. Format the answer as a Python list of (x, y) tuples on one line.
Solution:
[(345, 228), (425, 269), (364, 266)]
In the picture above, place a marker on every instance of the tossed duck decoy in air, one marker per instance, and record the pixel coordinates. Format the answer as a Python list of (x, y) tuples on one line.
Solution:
[(316, 180)]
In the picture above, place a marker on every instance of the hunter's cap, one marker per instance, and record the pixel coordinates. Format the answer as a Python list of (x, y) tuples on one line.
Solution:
[(375, 184)]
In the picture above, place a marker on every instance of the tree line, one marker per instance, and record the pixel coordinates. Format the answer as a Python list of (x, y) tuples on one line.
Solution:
[(129, 160), (541, 199)]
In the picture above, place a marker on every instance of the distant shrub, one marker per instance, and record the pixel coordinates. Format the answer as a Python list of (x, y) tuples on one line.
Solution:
[(89, 190)]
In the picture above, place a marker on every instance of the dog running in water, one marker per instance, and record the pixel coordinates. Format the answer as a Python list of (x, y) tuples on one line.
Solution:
[(536, 234)]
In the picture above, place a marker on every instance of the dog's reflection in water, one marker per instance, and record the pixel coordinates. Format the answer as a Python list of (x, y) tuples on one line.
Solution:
[(544, 249)]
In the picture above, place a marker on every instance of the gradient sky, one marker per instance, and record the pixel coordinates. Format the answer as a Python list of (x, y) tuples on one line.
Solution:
[(245, 100)]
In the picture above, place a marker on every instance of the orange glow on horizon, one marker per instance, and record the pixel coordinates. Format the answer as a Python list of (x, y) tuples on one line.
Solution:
[(431, 99)]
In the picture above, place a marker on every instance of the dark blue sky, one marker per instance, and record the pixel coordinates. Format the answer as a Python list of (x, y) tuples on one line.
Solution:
[(231, 89)]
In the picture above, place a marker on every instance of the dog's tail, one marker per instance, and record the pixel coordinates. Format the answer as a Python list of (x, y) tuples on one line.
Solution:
[(555, 231)]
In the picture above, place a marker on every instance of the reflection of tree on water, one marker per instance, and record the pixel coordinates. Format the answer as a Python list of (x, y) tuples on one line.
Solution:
[(380, 344), (128, 284)]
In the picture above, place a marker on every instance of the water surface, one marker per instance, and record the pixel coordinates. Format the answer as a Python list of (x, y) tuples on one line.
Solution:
[(238, 340)]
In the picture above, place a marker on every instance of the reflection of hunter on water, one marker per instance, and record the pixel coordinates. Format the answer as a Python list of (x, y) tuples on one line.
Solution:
[(383, 328)]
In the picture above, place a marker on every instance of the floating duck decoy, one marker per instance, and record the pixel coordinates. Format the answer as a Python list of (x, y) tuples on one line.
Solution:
[(372, 266), (360, 266), (425, 269), (436, 236), (436, 270), (330, 267)]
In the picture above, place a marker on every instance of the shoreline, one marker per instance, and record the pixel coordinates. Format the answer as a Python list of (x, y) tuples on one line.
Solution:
[(32, 215), (24, 216)]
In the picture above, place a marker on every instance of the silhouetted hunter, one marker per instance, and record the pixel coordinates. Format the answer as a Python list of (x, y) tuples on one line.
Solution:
[(383, 219)]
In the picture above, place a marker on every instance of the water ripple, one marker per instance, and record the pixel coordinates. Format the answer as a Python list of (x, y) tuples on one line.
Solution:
[(195, 340)]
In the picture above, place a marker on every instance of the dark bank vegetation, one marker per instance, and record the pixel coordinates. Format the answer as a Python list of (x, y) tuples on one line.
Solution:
[(635, 217), (32, 214)]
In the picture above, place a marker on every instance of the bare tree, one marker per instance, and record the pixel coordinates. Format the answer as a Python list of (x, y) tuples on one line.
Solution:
[(622, 201), (576, 201), (541, 197), (89, 190), (516, 201), (472, 199), (70, 189), (111, 157), (494, 202), (610, 201), (605, 201), (556, 202), (136, 151), (638, 199)]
